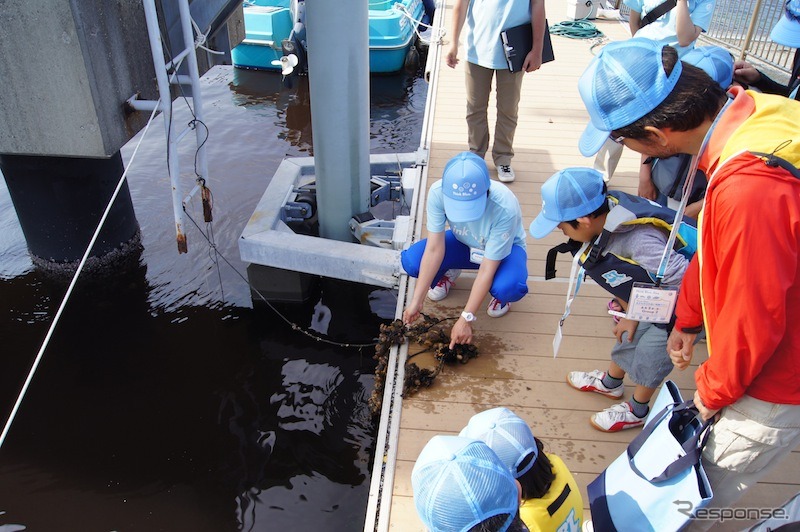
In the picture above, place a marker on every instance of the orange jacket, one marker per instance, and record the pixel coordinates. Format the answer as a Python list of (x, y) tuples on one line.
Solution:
[(744, 282)]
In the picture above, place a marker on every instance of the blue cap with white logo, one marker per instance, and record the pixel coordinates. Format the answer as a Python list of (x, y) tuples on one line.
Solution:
[(465, 182)]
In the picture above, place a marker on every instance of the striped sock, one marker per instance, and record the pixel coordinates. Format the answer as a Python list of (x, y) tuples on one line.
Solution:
[(639, 409), (610, 382)]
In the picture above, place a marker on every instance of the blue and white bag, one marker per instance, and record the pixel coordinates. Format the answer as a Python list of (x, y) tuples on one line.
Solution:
[(658, 482)]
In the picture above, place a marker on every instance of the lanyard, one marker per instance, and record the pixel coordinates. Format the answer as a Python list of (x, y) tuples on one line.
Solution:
[(575, 277), (687, 187)]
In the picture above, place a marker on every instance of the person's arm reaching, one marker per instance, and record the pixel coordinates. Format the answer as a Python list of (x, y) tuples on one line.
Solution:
[(462, 330), (429, 266)]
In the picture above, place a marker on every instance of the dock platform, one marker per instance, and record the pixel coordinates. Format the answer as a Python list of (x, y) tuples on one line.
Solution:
[(516, 368)]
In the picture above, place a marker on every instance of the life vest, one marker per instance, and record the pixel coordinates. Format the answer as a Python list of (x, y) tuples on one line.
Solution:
[(617, 274)]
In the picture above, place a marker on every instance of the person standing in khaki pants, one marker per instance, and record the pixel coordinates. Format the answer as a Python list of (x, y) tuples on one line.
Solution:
[(485, 20)]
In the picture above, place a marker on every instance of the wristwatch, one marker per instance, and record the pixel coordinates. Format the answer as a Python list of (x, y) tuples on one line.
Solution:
[(469, 317)]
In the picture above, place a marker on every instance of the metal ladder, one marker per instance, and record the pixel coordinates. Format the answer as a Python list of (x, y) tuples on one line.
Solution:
[(166, 75)]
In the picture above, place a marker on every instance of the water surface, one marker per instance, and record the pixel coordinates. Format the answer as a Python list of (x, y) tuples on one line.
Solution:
[(165, 400)]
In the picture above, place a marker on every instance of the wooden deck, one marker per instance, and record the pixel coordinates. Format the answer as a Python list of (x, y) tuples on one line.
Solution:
[(516, 367)]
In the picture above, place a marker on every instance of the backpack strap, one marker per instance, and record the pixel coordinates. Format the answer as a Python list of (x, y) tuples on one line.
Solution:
[(570, 246), (656, 12), (770, 159)]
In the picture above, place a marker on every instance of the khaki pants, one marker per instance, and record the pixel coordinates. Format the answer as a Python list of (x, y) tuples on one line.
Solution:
[(479, 85), (748, 441)]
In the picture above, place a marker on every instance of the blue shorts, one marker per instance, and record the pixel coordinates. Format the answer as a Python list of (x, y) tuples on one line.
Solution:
[(510, 281)]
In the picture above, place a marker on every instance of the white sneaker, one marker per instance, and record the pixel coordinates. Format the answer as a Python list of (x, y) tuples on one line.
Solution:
[(592, 381), (442, 288), (616, 418), (505, 173), (497, 308)]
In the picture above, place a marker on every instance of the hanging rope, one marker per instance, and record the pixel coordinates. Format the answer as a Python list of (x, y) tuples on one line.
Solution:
[(71, 287), (436, 36)]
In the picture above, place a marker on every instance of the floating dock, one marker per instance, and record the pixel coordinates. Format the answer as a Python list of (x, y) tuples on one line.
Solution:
[(516, 368)]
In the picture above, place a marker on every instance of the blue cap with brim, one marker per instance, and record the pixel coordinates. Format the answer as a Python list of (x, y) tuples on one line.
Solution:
[(465, 181), (787, 30), (715, 61), (621, 85), (460, 482), (568, 195)]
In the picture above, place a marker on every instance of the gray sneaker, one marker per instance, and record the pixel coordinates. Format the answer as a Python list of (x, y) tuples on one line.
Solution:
[(505, 173)]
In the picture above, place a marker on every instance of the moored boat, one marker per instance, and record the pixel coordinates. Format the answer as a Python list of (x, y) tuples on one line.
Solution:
[(275, 29)]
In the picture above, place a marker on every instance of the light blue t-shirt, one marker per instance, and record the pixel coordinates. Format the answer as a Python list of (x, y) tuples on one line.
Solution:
[(485, 20), (663, 29), (495, 232)]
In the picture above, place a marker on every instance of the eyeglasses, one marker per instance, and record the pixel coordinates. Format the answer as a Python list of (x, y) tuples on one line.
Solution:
[(618, 140)]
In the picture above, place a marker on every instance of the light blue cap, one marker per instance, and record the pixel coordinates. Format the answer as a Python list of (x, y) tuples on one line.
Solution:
[(506, 434), (787, 30), (716, 61), (460, 482), (568, 195), (622, 84), (465, 181)]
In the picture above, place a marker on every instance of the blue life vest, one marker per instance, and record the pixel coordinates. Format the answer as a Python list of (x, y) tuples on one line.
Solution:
[(617, 274)]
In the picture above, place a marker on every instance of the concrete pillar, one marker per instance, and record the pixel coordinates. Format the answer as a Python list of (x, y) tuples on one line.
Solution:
[(338, 73), (59, 201)]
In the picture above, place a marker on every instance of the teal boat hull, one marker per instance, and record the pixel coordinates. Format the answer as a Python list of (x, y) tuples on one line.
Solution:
[(269, 22)]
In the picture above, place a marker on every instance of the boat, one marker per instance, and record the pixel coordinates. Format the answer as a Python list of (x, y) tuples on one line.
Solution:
[(275, 35)]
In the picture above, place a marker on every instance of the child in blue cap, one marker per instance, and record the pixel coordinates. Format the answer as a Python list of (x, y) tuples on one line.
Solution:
[(575, 200), (460, 485), (551, 499), (486, 234)]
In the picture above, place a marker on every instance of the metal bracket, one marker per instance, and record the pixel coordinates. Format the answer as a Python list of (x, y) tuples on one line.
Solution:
[(295, 211), (385, 188)]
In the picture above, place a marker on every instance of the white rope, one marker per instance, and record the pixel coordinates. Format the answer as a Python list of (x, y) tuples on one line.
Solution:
[(200, 40), (435, 37), (63, 305)]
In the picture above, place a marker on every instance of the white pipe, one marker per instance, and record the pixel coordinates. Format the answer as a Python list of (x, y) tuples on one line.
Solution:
[(201, 133), (173, 166)]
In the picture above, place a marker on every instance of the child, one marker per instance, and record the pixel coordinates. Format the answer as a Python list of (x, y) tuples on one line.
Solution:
[(486, 234), (575, 201), (550, 497)]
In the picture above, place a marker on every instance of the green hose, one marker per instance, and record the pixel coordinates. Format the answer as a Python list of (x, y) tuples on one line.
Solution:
[(579, 29)]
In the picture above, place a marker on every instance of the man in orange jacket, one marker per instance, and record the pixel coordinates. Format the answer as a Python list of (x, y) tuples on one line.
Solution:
[(744, 283)]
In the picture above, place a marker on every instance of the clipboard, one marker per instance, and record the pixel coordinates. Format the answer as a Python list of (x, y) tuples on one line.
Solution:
[(518, 41)]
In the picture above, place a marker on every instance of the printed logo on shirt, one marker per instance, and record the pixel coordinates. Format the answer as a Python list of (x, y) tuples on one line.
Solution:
[(460, 231), (614, 278), (570, 524)]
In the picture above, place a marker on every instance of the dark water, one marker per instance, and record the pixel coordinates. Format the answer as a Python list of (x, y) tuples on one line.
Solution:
[(165, 400)]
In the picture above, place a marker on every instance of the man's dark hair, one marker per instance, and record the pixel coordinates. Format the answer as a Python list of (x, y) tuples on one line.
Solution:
[(695, 98), (537, 480), (602, 209), (495, 523)]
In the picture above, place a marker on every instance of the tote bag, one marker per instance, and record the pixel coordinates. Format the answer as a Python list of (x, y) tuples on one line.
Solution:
[(658, 482)]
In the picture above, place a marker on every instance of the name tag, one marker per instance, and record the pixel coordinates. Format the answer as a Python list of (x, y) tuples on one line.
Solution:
[(475, 255), (651, 304)]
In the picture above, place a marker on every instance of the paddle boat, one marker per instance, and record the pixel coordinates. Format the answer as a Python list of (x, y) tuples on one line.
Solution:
[(275, 31)]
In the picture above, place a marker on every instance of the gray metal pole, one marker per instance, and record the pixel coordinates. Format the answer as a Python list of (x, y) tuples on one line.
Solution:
[(338, 71)]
